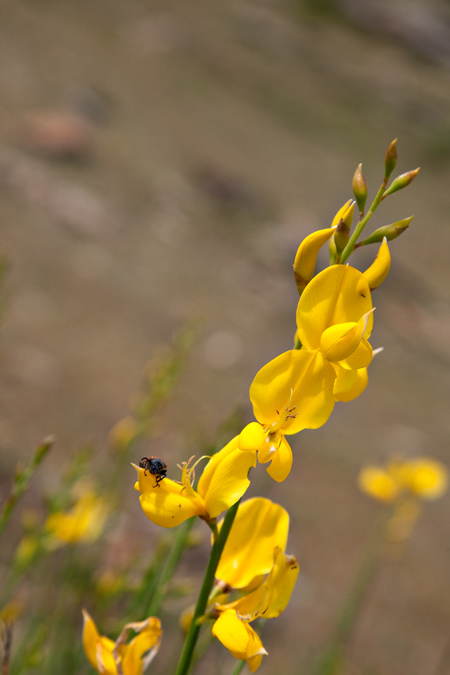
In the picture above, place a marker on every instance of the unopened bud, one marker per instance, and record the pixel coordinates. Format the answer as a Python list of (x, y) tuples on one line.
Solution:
[(332, 249), (360, 189), (401, 181), (390, 161), (342, 233), (305, 260), (380, 267), (389, 231)]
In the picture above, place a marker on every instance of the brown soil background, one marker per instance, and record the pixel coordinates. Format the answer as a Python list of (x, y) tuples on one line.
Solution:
[(230, 132)]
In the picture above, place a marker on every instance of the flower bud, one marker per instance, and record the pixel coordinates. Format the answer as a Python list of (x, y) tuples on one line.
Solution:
[(401, 181), (342, 233), (305, 260), (380, 267), (360, 189), (390, 161), (389, 231)]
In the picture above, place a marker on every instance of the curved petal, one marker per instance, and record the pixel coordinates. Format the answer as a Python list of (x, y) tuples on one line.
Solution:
[(148, 638), (361, 357), (252, 437), (339, 294), (228, 481), (305, 259), (272, 597), (170, 503), (281, 461), (379, 269), (349, 384), (98, 649), (239, 638), (259, 526), (299, 380)]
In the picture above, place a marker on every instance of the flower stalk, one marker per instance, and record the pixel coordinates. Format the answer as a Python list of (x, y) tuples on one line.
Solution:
[(208, 582)]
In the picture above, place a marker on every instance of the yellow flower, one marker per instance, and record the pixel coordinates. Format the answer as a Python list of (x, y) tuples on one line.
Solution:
[(224, 480), (268, 601), (259, 527), (422, 478), (83, 522), (292, 392), (114, 658)]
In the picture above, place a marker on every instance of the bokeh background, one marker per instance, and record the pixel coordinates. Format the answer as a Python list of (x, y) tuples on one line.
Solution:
[(161, 161)]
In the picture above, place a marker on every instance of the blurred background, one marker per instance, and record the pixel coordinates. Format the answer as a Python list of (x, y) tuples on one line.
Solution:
[(160, 162)]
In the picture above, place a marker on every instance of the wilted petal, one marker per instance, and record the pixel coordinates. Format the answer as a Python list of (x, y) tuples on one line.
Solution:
[(137, 655), (98, 648)]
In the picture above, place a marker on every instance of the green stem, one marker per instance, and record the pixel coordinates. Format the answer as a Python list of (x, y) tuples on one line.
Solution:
[(208, 582), (361, 225), (239, 667), (21, 480)]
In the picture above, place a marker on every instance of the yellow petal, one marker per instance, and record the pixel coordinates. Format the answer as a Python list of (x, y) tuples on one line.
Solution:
[(339, 294), (341, 341), (424, 477), (225, 477), (349, 384), (98, 649), (305, 260), (340, 215), (361, 357), (259, 527), (239, 638), (252, 437), (378, 484), (280, 458), (133, 660), (299, 380), (379, 269), (170, 503), (272, 597)]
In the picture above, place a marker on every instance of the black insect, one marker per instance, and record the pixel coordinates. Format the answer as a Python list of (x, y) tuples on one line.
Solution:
[(156, 467)]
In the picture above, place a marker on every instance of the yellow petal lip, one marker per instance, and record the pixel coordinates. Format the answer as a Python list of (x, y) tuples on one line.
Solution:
[(349, 384), (280, 461), (378, 271), (98, 649), (260, 526), (341, 213), (305, 259), (252, 437), (339, 294), (239, 638)]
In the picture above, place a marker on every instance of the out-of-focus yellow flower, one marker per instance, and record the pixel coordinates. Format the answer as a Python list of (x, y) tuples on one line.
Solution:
[(260, 526), (422, 478), (26, 550), (123, 433), (268, 601), (83, 522), (224, 480), (114, 658)]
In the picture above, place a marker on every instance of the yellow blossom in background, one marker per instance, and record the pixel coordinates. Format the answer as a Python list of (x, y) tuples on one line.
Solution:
[(119, 658), (224, 480), (85, 521), (421, 477)]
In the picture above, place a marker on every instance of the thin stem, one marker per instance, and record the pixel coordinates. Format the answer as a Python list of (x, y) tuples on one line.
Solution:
[(361, 225), (239, 667), (208, 582), (21, 480)]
